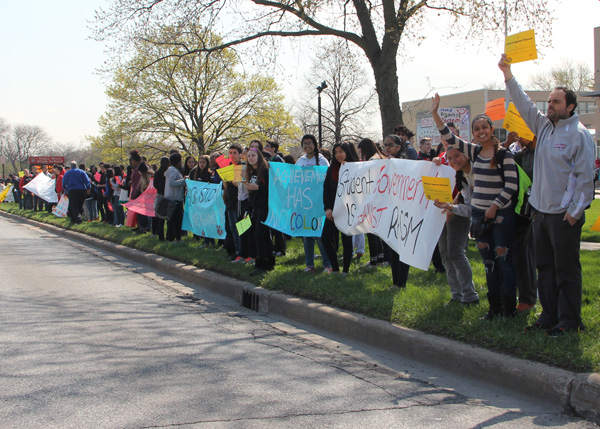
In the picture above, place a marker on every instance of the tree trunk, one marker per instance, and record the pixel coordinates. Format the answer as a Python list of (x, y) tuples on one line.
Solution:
[(386, 85)]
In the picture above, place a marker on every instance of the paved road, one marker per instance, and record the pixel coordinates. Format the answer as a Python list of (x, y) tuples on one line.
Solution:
[(88, 340)]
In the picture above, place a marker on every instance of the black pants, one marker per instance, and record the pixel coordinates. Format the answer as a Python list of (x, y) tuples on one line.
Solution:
[(399, 269), (375, 249), (76, 200), (174, 223), (262, 237), (330, 232), (559, 270), (524, 258)]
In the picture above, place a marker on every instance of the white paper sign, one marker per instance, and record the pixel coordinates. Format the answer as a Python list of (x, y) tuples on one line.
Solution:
[(43, 187)]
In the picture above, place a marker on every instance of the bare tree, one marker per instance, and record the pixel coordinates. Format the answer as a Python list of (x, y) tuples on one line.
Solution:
[(25, 141), (577, 76), (376, 27), (348, 99)]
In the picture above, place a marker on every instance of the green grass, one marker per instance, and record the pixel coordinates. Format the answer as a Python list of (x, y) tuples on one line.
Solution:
[(420, 306)]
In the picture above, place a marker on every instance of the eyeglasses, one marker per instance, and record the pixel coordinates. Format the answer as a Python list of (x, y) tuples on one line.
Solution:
[(390, 145)]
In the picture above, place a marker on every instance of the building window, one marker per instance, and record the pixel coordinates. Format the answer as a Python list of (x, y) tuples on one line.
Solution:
[(542, 106)]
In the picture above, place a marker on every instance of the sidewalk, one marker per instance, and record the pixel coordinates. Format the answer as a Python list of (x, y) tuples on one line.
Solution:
[(568, 390)]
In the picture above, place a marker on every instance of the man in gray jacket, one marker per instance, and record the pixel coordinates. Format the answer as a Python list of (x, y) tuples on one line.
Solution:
[(562, 189)]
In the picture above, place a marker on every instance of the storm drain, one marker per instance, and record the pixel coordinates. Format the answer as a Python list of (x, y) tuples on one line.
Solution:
[(250, 300)]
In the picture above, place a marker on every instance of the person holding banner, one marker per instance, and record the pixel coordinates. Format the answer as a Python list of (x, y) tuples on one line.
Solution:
[(257, 184), (493, 213), (563, 188), (342, 153), (455, 235), (310, 158)]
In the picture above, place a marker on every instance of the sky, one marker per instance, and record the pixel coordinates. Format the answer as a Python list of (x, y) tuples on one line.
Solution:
[(49, 64)]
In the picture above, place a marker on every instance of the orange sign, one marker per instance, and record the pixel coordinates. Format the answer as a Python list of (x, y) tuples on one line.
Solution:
[(495, 109)]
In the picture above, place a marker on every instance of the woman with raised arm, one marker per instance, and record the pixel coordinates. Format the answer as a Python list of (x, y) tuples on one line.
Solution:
[(495, 181)]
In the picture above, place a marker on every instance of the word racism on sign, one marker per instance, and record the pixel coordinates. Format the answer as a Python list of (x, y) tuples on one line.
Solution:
[(386, 198), (204, 212), (296, 199)]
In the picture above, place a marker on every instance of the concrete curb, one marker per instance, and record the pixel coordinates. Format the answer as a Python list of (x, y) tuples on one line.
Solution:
[(569, 390)]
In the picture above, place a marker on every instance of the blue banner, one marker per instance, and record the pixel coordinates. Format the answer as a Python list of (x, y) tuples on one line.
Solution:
[(204, 212), (296, 199)]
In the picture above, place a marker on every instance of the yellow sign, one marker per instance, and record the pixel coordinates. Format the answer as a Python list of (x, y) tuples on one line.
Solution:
[(514, 122), (243, 225), (227, 173), (437, 188), (596, 225), (21, 173), (495, 109), (520, 47), (5, 192), (239, 173)]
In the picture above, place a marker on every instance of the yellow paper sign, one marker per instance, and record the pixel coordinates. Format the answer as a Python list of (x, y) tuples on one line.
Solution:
[(243, 225), (596, 225), (226, 173), (239, 173), (514, 122), (21, 173), (520, 47), (437, 188), (495, 109)]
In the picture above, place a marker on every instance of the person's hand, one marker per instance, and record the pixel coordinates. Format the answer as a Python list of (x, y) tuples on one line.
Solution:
[(490, 213), (437, 161), (251, 186), (435, 103), (446, 207), (329, 214), (512, 137), (572, 221), (504, 66)]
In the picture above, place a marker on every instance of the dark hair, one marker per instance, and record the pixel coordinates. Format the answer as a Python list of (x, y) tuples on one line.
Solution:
[(82, 167), (453, 125), (402, 129), (350, 154), (495, 141), (368, 149), (109, 172), (273, 144), (570, 97), (482, 116), (326, 154), (175, 159), (200, 174), (260, 145), (134, 155), (143, 167), (237, 147), (164, 162), (314, 141), (118, 171), (186, 169), (260, 165), (289, 159)]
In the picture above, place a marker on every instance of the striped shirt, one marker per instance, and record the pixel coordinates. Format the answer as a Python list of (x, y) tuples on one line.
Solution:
[(489, 188)]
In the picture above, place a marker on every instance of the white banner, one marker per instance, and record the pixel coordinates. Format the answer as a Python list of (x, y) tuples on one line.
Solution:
[(386, 198), (43, 187)]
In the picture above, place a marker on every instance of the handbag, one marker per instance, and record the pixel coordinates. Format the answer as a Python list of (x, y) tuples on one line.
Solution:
[(162, 209)]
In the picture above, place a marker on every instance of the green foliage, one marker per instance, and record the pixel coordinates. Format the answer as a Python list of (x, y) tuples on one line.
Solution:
[(420, 306)]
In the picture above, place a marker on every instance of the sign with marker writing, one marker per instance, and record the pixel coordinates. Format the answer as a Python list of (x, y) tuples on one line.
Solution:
[(437, 188), (387, 198), (495, 109), (296, 199), (514, 122), (520, 47), (204, 211)]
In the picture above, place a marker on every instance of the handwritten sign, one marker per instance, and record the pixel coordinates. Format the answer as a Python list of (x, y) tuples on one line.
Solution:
[(495, 109), (144, 204), (243, 225), (227, 173), (296, 199), (514, 122), (204, 212), (386, 198), (460, 116), (62, 207), (437, 188), (43, 186), (222, 161), (520, 47)]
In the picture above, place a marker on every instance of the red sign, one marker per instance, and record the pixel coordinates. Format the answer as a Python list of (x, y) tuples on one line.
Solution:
[(46, 160)]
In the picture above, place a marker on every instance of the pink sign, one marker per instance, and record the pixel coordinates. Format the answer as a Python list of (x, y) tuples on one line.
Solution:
[(144, 204), (222, 161)]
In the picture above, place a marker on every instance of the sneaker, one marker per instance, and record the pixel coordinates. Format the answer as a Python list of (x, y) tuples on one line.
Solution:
[(280, 254), (237, 259), (309, 270), (384, 264), (470, 303), (537, 326), (524, 307), (328, 270), (249, 261), (555, 332)]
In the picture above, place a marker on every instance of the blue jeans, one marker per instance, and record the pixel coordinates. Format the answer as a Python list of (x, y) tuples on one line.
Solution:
[(500, 270), (91, 208), (309, 252), (119, 214), (232, 219)]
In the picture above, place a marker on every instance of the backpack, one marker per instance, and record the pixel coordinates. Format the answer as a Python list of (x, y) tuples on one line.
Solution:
[(520, 199)]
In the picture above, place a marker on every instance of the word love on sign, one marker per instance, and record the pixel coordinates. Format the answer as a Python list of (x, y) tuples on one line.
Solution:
[(296, 199), (386, 198)]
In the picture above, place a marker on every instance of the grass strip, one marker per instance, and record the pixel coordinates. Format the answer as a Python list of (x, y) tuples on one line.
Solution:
[(420, 306)]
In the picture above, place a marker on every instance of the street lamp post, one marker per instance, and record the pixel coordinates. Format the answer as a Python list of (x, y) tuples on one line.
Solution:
[(320, 89)]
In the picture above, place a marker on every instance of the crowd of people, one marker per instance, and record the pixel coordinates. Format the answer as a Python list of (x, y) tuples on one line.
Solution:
[(523, 201)]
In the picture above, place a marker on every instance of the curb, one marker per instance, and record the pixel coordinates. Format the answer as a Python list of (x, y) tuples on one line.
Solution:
[(571, 391)]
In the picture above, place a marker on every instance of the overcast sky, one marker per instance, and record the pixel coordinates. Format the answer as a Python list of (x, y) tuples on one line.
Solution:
[(48, 69)]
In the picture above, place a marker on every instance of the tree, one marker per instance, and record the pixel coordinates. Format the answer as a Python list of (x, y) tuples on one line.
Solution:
[(578, 77), (25, 141), (377, 27), (199, 100), (345, 109)]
